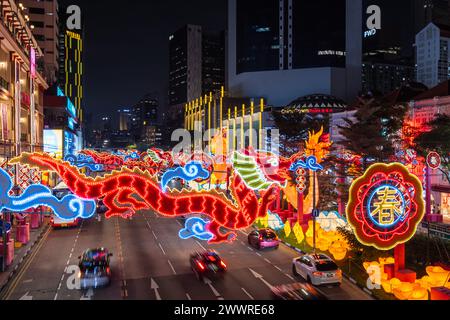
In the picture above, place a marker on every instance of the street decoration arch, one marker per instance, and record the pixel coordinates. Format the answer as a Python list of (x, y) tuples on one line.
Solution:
[(385, 206)]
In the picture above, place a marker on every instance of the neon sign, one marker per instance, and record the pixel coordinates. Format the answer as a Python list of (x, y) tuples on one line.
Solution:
[(83, 161), (195, 228), (385, 206), (68, 208), (192, 171)]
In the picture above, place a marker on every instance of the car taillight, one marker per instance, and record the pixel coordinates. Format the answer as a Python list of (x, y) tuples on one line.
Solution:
[(201, 266), (223, 264), (339, 272), (318, 274), (260, 238)]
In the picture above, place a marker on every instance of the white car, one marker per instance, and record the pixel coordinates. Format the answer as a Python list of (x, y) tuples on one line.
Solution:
[(317, 269)]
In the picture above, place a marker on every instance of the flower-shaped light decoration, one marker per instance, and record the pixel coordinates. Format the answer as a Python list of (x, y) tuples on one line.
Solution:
[(385, 206)]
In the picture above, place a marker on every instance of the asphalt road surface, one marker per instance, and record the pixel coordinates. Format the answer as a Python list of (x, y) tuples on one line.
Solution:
[(150, 262)]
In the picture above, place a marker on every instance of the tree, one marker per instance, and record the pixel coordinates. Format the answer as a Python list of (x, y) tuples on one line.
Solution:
[(374, 131), (294, 126), (437, 139)]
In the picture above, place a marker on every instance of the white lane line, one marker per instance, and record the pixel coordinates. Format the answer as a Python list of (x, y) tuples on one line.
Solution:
[(278, 268), (267, 260), (251, 249), (242, 232), (148, 224), (179, 223), (188, 296), (201, 246), (56, 297), (28, 281), (162, 249), (258, 254), (171, 266), (248, 294), (154, 234), (289, 276)]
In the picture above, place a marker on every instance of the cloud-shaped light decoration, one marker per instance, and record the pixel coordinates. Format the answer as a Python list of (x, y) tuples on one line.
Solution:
[(192, 171), (195, 228)]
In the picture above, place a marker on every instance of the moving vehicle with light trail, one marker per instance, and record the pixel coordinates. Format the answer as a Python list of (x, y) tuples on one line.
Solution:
[(94, 267), (207, 264), (297, 291)]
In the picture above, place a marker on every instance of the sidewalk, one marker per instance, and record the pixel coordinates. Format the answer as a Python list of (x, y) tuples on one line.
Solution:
[(21, 253)]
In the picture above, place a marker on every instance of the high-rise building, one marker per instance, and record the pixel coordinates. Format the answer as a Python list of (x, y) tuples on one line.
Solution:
[(71, 68), (125, 119), (283, 49), (197, 62), (44, 23), (433, 55), (437, 11), (145, 120)]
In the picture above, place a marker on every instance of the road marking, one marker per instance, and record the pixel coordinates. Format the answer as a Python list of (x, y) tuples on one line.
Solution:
[(242, 232), (258, 254), (201, 246), (154, 235), (28, 281), (248, 294), (171, 266), (214, 291), (289, 276), (278, 268), (56, 296), (27, 296), (148, 224), (154, 286), (27, 264), (251, 249), (179, 223), (267, 260), (162, 248), (188, 296), (260, 277)]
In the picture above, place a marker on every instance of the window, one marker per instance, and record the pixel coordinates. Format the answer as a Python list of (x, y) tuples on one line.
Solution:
[(37, 10)]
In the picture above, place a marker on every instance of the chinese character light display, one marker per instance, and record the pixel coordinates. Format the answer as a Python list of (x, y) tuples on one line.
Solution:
[(385, 206)]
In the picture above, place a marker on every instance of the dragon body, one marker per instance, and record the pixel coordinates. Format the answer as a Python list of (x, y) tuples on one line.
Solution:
[(127, 191)]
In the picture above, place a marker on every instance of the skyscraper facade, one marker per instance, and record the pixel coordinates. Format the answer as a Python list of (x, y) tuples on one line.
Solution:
[(283, 49)]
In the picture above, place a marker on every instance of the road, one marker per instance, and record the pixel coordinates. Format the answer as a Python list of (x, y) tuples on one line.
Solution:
[(150, 262)]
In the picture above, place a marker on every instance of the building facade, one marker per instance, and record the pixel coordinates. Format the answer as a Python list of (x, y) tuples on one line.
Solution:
[(44, 22), (282, 49), (22, 84), (433, 55)]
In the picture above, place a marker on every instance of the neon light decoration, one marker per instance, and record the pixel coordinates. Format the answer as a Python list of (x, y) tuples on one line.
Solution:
[(7, 227), (274, 221), (68, 208), (126, 191), (83, 161), (192, 171), (196, 228), (385, 206), (310, 164)]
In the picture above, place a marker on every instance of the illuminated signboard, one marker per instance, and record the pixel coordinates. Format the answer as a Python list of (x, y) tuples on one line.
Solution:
[(70, 143), (59, 92), (71, 108), (53, 142), (385, 206), (32, 62)]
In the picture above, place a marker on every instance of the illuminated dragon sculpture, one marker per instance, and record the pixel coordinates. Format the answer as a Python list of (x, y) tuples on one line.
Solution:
[(126, 191)]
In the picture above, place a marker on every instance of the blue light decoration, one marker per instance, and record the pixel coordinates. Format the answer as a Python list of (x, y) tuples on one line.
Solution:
[(132, 157), (71, 108), (275, 222), (82, 161), (195, 228), (310, 164), (386, 206), (68, 208), (192, 171), (7, 227)]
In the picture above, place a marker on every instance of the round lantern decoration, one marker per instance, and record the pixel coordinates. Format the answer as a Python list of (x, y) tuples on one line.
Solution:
[(385, 206)]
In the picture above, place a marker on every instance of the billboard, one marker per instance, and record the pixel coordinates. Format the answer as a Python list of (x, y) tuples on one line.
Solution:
[(53, 143)]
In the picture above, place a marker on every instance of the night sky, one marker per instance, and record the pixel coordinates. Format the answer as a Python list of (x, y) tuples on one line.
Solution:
[(127, 45)]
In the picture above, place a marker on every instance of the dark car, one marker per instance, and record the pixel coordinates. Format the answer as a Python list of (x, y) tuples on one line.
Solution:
[(207, 264), (94, 268), (263, 238), (297, 291), (101, 208)]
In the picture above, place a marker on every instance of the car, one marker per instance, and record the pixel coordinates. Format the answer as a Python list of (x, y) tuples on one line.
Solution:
[(317, 269), (95, 268), (101, 208), (263, 238), (207, 264), (297, 291)]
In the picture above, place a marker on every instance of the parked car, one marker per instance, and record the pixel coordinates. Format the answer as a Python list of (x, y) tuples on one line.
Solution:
[(297, 291), (317, 269), (94, 267), (263, 238), (207, 263)]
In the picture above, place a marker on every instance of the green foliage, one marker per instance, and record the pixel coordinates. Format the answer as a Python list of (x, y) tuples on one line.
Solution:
[(437, 139), (375, 129)]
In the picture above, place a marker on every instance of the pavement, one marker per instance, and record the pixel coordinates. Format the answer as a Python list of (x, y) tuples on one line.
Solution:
[(20, 254), (150, 262)]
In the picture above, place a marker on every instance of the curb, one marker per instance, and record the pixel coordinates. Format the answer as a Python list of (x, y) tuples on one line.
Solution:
[(27, 253), (346, 276)]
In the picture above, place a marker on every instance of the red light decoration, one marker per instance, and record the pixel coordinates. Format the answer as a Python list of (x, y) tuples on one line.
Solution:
[(127, 191), (385, 206)]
